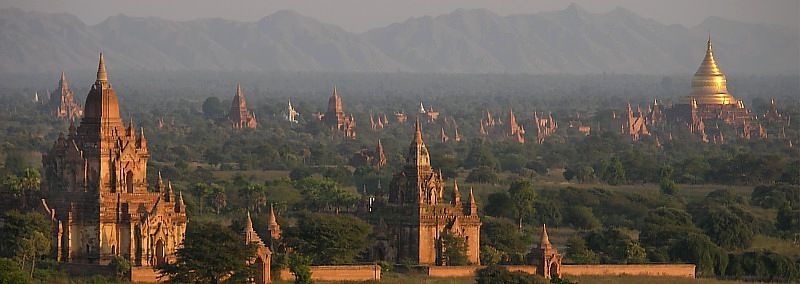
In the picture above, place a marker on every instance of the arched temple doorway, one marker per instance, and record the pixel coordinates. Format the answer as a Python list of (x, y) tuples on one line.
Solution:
[(160, 257)]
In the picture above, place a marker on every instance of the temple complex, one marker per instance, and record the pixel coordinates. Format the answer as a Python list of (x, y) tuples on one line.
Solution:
[(62, 103), (544, 127), (709, 98), (632, 124), (410, 224), (335, 117), (369, 158), (239, 117), (94, 188)]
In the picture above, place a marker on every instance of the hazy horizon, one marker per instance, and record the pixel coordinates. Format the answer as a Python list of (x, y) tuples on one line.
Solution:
[(350, 14)]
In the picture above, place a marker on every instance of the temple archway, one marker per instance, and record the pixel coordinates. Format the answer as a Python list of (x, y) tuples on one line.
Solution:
[(554, 270), (129, 181), (261, 267), (160, 257)]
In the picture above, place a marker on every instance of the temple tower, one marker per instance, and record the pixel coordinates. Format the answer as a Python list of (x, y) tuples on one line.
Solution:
[(239, 116), (95, 188), (335, 117), (417, 214)]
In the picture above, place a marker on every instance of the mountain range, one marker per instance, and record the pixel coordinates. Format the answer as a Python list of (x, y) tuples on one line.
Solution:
[(569, 41)]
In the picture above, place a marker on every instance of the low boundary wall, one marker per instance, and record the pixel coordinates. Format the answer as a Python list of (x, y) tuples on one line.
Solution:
[(672, 270), (339, 273)]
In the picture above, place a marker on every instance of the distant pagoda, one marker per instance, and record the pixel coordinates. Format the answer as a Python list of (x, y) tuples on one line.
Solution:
[(62, 103), (239, 116)]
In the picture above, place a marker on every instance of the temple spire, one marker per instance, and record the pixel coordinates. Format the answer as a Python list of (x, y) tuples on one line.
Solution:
[(456, 194), (102, 76), (417, 132), (63, 82), (248, 225), (544, 243)]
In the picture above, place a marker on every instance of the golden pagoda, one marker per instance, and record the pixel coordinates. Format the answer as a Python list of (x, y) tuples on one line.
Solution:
[(709, 85), (709, 98)]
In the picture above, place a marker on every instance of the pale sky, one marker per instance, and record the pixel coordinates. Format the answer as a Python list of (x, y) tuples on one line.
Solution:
[(361, 15)]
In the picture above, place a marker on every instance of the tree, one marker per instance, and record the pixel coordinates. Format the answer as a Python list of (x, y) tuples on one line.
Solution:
[(328, 239), (579, 253), (499, 205), (480, 156), (582, 217), (788, 219), (523, 197), (321, 194), (454, 250), (498, 274), (211, 253), (667, 185), (612, 172), (32, 246), (298, 265), (12, 184), (254, 196), (200, 190), (10, 273), (120, 265), (503, 235), (25, 237), (482, 175), (584, 173), (219, 199), (213, 108), (490, 255)]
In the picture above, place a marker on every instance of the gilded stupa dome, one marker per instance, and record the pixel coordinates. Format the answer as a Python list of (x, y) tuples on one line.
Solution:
[(709, 85)]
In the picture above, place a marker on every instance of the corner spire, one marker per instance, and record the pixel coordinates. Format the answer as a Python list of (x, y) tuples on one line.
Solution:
[(102, 75), (471, 196)]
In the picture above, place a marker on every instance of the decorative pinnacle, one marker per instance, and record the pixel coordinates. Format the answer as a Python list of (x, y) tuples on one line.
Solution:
[(102, 76)]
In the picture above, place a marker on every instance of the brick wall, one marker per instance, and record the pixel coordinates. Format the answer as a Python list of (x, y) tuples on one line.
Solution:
[(674, 270), (339, 273)]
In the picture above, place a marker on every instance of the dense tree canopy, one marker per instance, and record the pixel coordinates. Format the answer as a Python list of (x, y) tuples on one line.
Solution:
[(211, 253), (328, 239)]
